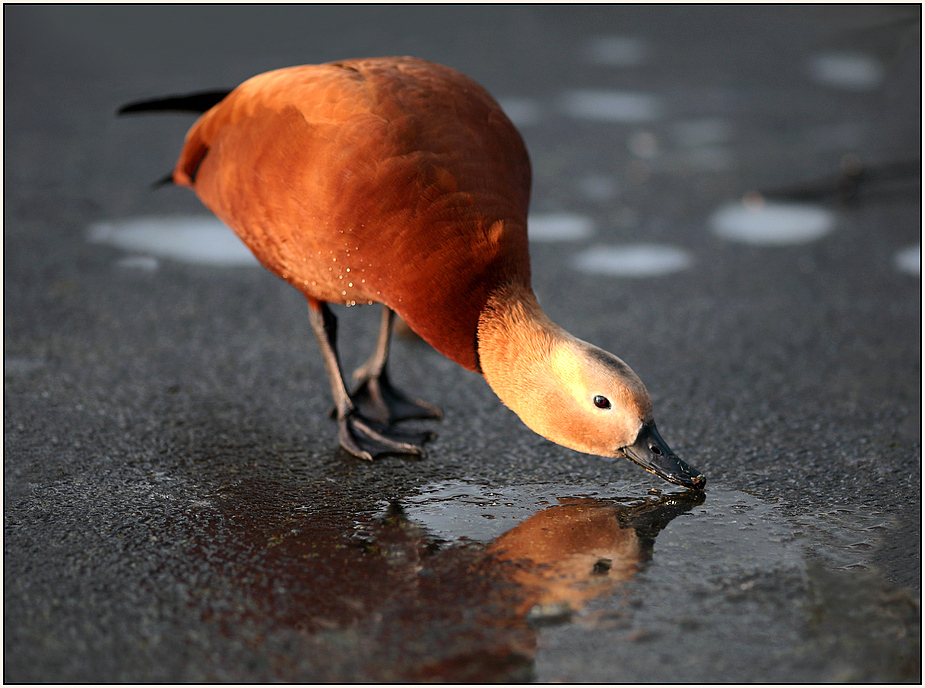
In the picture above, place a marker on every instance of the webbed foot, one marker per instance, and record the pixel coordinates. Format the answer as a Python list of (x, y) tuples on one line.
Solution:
[(380, 401), (365, 438)]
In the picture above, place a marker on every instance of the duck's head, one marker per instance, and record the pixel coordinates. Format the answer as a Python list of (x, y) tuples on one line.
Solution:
[(572, 392), (603, 408)]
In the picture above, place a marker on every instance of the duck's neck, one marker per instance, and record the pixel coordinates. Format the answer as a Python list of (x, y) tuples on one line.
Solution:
[(516, 345)]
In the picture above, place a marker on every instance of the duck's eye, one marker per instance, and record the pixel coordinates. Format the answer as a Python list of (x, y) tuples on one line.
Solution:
[(602, 402)]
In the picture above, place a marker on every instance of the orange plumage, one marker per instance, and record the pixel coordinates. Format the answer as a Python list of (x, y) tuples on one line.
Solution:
[(402, 182)]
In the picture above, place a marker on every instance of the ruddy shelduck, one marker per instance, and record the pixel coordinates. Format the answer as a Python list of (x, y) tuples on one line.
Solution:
[(402, 182)]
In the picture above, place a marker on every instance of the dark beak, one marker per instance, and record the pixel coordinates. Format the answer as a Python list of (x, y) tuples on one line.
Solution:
[(651, 452)]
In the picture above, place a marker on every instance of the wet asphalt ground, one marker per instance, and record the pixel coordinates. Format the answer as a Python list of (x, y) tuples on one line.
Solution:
[(175, 505)]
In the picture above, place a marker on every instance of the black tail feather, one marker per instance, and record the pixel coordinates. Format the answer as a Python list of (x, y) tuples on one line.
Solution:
[(193, 102), (166, 180)]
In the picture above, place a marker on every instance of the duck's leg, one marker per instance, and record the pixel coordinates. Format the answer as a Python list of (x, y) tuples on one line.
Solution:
[(375, 395), (359, 435)]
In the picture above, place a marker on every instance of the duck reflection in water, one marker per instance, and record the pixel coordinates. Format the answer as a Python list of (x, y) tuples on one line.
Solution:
[(568, 554), (406, 604)]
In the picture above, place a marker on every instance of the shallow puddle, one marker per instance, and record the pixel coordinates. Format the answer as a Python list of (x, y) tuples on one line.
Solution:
[(910, 260), (200, 240), (616, 51), (697, 580), (466, 582), (766, 223), (622, 107), (632, 260), (559, 227), (849, 71), (553, 526)]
